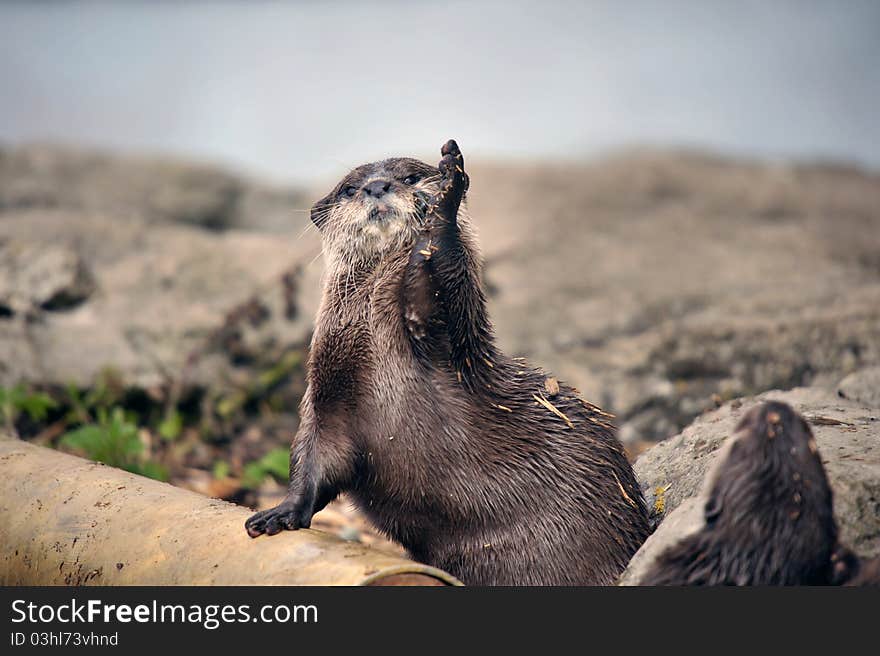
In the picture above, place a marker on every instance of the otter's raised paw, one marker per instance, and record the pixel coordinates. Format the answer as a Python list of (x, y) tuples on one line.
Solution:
[(284, 516), (453, 181)]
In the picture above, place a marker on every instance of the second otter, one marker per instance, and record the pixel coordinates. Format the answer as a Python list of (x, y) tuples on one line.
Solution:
[(471, 460), (768, 517)]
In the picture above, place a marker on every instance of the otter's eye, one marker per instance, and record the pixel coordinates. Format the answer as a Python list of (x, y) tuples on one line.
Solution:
[(412, 179), (349, 191)]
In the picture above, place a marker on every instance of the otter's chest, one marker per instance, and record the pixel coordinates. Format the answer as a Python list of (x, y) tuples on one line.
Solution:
[(339, 362), (359, 353), (362, 354)]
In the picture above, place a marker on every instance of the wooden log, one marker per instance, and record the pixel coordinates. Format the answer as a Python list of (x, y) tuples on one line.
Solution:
[(69, 521)]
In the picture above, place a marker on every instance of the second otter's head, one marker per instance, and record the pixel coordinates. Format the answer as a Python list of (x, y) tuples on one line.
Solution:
[(375, 209), (768, 516), (769, 510)]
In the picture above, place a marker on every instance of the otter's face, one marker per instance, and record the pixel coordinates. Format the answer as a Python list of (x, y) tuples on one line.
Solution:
[(373, 210)]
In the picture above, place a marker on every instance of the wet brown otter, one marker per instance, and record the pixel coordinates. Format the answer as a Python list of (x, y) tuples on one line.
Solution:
[(768, 517), (471, 460)]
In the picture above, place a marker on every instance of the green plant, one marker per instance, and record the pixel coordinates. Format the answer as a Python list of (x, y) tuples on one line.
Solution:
[(220, 469), (18, 399), (171, 426), (113, 439), (105, 394), (276, 463), (78, 406)]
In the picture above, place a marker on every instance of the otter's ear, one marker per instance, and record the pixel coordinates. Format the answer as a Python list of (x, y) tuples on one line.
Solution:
[(321, 210)]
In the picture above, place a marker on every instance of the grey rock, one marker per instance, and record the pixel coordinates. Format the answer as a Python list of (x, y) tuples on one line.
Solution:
[(685, 520), (716, 276), (848, 436), (169, 278), (165, 296), (33, 276), (862, 386)]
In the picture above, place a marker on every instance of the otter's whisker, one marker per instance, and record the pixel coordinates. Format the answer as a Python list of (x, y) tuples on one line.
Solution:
[(309, 226), (314, 259)]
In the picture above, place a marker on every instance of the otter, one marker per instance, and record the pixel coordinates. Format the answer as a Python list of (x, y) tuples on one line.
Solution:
[(768, 518), (475, 462)]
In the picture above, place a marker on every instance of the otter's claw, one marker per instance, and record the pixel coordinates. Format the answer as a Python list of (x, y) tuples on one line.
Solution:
[(285, 516)]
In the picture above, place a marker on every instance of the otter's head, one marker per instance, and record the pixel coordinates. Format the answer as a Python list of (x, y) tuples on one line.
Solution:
[(771, 462), (376, 209), (768, 517), (770, 503)]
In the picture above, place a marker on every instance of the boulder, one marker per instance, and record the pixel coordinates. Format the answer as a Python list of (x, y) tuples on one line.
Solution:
[(35, 277), (848, 436)]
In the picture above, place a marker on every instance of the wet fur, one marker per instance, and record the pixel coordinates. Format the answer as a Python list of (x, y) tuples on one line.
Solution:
[(768, 518), (851, 570), (866, 574), (436, 435)]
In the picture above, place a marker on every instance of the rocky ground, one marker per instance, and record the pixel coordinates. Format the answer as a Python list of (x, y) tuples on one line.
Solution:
[(662, 284)]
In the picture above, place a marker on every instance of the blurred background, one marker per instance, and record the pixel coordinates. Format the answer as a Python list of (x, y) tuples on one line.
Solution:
[(678, 202), (302, 90)]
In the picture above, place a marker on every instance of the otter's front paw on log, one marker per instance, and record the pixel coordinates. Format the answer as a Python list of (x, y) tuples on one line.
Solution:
[(453, 181), (284, 516)]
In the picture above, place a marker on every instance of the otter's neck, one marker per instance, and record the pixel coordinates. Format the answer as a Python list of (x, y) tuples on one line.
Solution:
[(349, 283)]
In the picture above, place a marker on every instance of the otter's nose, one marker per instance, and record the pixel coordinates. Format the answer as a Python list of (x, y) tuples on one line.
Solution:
[(377, 188)]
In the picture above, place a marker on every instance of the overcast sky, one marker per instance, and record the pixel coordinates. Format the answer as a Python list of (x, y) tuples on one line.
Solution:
[(304, 90)]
